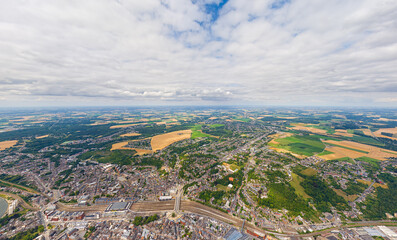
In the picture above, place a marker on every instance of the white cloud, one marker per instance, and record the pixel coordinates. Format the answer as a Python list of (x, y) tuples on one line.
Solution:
[(159, 51)]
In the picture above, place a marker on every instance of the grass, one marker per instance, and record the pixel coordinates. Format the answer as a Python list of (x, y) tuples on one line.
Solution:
[(326, 128), (306, 145), (372, 161), (234, 167), (242, 119), (345, 196), (353, 149), (344, 159), (223, 188), (197, 133), (299, 190), (217, 125), (309, 172), (365, 140), (325, 152)]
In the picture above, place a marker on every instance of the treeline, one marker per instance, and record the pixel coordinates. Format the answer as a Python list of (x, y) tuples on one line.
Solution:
[(17, 179), (29, 234), (323, 196), (385, 200), (138, 221), (217, 196), (282, 195)]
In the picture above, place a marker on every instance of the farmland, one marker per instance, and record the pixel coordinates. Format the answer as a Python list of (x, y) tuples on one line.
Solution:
[(130, 135), (351, 149), (305, 145), (161, 141), (7, 144)]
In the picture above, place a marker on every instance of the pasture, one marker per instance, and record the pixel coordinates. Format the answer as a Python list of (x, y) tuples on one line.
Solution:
[(306, 145)]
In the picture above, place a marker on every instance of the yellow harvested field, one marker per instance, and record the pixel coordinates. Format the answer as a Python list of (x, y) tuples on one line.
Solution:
[(287, 117), (7, 144), (302, 127), (279, 135), (367, 132), (161, 123), (386, 119), (142, 151), (373, 152), (119, 145), (375, 184), (161, 141), (130, 135), (343, 132), (97, 123), (286, 151), (212, 118), (40, 137), (339, 152), (126, 125), (386, 130)]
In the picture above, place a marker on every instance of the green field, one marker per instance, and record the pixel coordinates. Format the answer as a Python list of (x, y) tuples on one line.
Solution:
[(295, 183), (325, 152), (372, 161), (217, 125), (221, 187), (306, 145), (326, 128), (309, 172), (197, 133), (344, 159)]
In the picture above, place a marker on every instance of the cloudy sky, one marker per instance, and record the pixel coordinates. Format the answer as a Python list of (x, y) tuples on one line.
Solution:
[(198, 52)]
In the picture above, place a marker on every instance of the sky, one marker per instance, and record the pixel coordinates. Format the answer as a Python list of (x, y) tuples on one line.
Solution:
[(198, 52)]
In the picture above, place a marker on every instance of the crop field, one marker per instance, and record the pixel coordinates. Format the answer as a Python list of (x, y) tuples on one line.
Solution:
[(157, 142), (130, 135), (342, 132), (392, 131), (40, 137), (351, 149), (306, 145), (119, 145), (142, 151), (7, 144), (304, 127), (367, 132), (162, 141)]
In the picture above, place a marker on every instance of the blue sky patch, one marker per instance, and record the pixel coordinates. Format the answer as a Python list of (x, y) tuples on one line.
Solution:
[(279, 4), (214, 8)]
